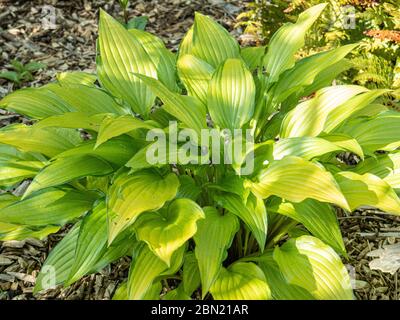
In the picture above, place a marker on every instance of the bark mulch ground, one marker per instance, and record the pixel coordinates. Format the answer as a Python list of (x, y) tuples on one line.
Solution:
[(71, 46)]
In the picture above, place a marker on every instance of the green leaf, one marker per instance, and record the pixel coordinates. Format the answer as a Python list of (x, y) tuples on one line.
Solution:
[(19, 232), (231, 94), (64, 170), (309, 263), (253, 56), (296, 179), (145, 268), (138, 23), (187, 109), (357, 103), (191, 274), (74, 120), (162, 58), (57, 266), (368, 189), (116, 151), (50, 206), (91, 243), (131, 195), (287, 41), (319, 218), (11, 76), (213, 238), (280, 288), (167, 230), (122, 55), (195, 74), (241, 281), (48, 141), (306, 70), (36, 103), (176, 294), (76, 77), (211, 42), (313, 147), (12, 172), (376, 133), (252, 212), (188, 188), (89, 100), (115, 126), (309, 117)]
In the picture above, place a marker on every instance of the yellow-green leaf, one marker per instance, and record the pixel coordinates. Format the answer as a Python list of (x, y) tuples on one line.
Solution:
[(368, 190), (131, 195), (213, 238), (231, 94), (167, 230), (296, 179), (241, 281), (309, 263), (122, 55)]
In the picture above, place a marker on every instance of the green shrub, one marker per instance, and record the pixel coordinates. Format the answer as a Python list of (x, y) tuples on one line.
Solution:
[(206, 228)]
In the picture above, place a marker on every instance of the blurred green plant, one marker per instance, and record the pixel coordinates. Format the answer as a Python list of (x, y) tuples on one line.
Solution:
[(20, 73)]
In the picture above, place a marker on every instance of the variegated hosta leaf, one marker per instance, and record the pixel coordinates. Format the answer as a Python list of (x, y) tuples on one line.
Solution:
[(146, 267), (48, 141), (309, 117), (195, 75), (130, 195), (116, 151), (211, 42), (122, 55), (12, 172), (386, 167), (91, 243), (58, 264), (115, 126), (19, 232), (187, 109), (309, 147), (167, 230), (296, 179), (378, 133), (319, 218), (281, 289), (287, 41), (241, 281), (35, 103), (213, 238), (64, 170), (162, 58), (89, 100), (76, 77), (252, 212), (368, 189), (48, 207), (231, 94), (306, 70), (309, 263), (74, 120), (355, 105)]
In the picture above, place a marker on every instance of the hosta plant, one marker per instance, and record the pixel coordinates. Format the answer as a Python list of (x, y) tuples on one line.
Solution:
[(117, 158)]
